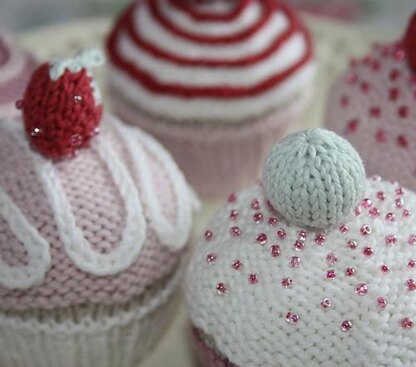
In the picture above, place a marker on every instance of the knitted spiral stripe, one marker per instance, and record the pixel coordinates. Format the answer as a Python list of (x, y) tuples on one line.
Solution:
[(263, 51)]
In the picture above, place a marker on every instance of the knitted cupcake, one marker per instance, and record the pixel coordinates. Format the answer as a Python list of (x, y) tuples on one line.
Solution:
[(373, 105), (92, 228), (314, 267), (16, 67), (217, 82)]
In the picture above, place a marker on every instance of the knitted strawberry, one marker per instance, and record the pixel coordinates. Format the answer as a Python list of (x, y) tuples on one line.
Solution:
[(61, 106), (410, 42)]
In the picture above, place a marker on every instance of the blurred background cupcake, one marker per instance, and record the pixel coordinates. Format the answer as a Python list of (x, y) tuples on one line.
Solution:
[(16, 67), (312, 267), (373, 105), (94, 222), (217, 83)]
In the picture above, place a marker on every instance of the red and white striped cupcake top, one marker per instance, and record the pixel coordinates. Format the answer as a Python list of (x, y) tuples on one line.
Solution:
[(209, 60)]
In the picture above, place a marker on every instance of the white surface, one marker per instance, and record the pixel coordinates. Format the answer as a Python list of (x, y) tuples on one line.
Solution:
[(335, 44)]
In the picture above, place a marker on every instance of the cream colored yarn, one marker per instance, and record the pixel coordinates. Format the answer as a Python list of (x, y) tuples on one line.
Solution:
[(314, 178)]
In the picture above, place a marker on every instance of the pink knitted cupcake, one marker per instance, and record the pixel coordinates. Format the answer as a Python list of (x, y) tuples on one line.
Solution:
[(92, 228), (16, 67), (315, 266), (217, 82), (373, 105)]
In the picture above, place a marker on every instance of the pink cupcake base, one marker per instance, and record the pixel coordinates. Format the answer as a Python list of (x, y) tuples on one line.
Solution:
[(216, 159), (208, 357)]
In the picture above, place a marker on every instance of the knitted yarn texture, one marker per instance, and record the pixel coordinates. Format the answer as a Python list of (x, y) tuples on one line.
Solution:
[(314, 178)]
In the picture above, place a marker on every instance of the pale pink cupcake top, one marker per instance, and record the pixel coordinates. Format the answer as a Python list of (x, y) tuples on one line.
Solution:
[(16, 66), (373, 105), (84, 218)]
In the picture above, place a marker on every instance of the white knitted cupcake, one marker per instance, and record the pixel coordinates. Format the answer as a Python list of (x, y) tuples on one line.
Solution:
[(314, 267)]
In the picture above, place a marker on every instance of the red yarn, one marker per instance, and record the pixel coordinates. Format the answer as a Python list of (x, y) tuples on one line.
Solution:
[(207, 16), (410, 42), (126, 23), (267, 11), (60, 116)]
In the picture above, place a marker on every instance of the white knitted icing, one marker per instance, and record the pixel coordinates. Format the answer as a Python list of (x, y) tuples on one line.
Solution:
[(248, 322), (86, 59), (77, 247)]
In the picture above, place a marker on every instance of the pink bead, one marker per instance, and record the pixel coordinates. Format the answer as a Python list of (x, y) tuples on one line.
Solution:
[(272, 221), (381, 136), (211, 258), (394, 74), (399, 203), (294, 262), (399, 55), (412, 240), (361, 289), (352, 125), (375, 112), (391, 240), (344, 229), (235, 231), (368, 251), (352, 244), (253, 278), (407, 213), (232, 198), (346, 325), (351, 78), (258, 218), (366, 203), (344, 101), (261, 239), (331, 274), (326, 303), (357, 211), (208, 235), (390, 217), (384, 268), (281, 233), (403, 111), (320, 239), (331, 259), (292, 318), (394, 94), (381, 303), (365, 87), (374, 212), (381, 195), (349, 272), (406, 323), (411, 264), (399, 191), (411, 284), (287, 283), (255, 204), (237, 264), (221, 288), (403, 141), (298, 246), (274, 250), (233, 214), (302, 235), (365, 230)]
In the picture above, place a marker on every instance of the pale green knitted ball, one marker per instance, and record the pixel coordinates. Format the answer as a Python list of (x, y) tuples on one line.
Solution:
[(314, 178)]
